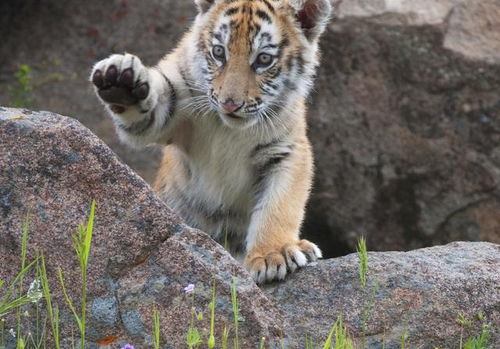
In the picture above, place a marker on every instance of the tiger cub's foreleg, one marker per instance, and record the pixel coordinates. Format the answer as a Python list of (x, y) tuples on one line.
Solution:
[(273, 244), (140, 100)]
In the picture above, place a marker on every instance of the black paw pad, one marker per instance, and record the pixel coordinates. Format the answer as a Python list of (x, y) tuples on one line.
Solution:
[(117, 95), (97, 79), (111, 75), (141, 91), (127, 78), (117, 109)]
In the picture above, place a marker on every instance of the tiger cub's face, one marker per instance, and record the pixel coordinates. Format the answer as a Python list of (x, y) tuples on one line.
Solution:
[(257, 54)]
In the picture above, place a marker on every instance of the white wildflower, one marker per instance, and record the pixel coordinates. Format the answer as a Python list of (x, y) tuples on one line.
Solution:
[(34, 291), (12, 332)]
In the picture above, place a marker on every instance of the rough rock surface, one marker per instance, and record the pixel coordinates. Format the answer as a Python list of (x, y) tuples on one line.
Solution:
[(420, 292), (405, 120), (142, 254)]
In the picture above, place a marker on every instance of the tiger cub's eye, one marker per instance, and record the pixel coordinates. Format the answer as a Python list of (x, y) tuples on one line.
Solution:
[(264, 59), (219, 52)]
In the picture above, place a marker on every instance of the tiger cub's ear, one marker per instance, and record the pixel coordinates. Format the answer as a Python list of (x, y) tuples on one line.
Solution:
[(312, 15), (204, 5)]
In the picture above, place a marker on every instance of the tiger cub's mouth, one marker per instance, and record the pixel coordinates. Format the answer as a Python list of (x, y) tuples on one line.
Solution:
[(234, 116)]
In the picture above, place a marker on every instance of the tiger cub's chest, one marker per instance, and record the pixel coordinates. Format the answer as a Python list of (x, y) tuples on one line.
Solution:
[(220, 165)]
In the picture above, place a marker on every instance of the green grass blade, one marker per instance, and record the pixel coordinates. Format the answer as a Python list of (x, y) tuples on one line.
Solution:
[(68, 300), (342, 338), (156, 328), (88, 233), (363, 260), (52, 313), (225, 337), (236, 312), (14, 304), (211, 338), (8, 294), (328, 342), (404, 337)]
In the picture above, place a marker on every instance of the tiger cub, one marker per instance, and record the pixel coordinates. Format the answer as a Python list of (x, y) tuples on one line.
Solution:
[(229, 105)]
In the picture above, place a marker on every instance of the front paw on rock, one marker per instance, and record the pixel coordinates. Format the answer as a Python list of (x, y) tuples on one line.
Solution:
[(266, 265)]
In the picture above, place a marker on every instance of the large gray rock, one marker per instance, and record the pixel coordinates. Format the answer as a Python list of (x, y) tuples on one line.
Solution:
[(404, 123), (420, 292), (142, 254)]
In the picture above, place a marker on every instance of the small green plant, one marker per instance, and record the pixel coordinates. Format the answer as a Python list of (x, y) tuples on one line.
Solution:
[(481, 341), (477, 342), (341, 335), (9, 302), (225, 337), (52, 311), (20, 92), (24, 251), (363, 261), (81, 243), (236, 312), (156, 328), (310, 344), (211, 338), (193, 338), (404, 337), (262, 343), (464, 323), (369, 300)]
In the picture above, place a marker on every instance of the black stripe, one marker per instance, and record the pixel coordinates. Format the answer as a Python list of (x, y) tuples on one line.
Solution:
[(272, 162), (266, 91), (271, 85), (269, 6), (290, 84), (255, 28), (263, 172), (263, 146), (301, 62), (267, 36), (173, 100), (275, 73), (218, 36), (231, 11), (185, 80), (282, 45), (235, 25), (264, 16)]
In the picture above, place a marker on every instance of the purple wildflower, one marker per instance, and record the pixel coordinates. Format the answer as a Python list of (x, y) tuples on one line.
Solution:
[(128, 346), (189, 288)]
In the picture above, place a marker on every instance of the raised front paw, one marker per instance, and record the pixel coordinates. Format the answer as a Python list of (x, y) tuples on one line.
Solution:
[(266, 264), (122, 81)]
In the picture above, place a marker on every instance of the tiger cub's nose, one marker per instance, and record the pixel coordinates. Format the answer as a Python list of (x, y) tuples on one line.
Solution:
[(230, 106)]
